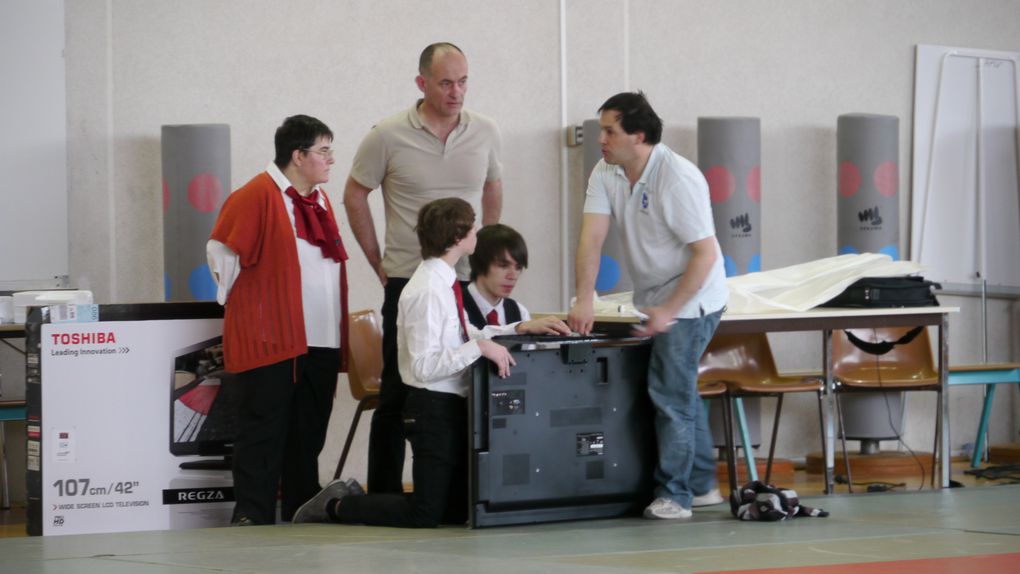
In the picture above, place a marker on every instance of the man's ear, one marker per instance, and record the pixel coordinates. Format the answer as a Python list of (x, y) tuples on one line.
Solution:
[(640, 137), (420, 82), (297, 157)]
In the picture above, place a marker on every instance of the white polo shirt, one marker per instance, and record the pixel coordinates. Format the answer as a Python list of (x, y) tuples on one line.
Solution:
[(668, 208)]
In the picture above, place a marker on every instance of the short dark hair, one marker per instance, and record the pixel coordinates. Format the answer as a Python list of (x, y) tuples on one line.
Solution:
[(636, 115), (442, 223), (298, 132), (429, 53), (493, 242)]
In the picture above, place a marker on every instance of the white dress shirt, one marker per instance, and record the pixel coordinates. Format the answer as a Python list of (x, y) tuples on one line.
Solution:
[(431, 352), (320, 277), (485, 307)]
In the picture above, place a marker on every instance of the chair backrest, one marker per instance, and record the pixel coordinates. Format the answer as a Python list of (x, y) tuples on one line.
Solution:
[(365, 361), (904, 363), (738, 358)]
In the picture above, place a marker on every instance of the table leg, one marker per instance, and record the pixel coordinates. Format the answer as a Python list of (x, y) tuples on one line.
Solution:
[(828, 412), (944, 445)]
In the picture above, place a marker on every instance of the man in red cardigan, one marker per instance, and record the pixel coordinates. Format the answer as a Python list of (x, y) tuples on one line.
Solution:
[(278, 261)]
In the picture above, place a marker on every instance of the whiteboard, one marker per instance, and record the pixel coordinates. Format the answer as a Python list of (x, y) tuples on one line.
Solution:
[(33, 141), (965, 212)]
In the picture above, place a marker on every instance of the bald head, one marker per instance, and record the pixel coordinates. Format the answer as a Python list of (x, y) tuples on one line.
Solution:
[(429, 54)]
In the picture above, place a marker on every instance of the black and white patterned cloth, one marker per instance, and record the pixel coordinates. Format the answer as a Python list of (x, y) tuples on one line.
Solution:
[(767, 503)]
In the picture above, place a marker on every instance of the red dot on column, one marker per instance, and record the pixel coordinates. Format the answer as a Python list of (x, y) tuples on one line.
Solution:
[(887, 179), (849, 179), (166, 197), (754, 184), (721, 183), (204, 192)]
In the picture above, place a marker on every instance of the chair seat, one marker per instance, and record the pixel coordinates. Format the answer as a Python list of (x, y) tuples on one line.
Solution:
[(775, 385), (889, 381), (711, 389)]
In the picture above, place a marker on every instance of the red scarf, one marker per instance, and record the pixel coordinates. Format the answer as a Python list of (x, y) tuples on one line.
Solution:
[(313, 223)]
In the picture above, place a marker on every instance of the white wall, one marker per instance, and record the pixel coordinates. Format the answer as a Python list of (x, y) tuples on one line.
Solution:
[(33, 151), (133, 66)]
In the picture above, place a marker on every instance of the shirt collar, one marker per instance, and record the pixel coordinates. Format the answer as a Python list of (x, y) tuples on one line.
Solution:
[(283, 183), (483, 304), (653, 163), (441, 269), (415, 118)]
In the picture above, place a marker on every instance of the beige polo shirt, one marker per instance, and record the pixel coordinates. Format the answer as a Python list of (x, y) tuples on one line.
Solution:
[(413, 168)]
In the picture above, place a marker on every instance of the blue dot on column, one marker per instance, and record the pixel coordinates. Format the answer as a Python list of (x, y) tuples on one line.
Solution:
[(754, 265), (847, 249), (201, 284), (166, 286), (609, 274), (730, 265), (892, 251)]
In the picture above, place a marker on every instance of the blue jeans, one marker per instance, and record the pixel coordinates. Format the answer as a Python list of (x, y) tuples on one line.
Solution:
[(686, 458)]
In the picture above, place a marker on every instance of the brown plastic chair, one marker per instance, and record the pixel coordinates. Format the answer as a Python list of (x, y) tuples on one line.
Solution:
[(364, 370), (907, 367), (744, 363)]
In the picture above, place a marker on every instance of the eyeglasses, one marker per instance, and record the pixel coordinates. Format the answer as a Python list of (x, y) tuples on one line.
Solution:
[(324, 152)]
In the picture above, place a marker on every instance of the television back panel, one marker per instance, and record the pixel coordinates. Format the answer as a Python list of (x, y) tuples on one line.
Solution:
[(569, 434)]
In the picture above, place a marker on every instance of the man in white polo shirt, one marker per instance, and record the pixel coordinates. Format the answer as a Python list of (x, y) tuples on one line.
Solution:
[(433, 150), (660, 202)]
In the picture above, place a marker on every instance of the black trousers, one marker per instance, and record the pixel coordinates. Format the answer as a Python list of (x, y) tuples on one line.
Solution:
[(386, 438), (282, 420), (436, 425)]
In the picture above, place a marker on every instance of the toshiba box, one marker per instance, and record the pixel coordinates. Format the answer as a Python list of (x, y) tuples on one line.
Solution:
[(130, 418)]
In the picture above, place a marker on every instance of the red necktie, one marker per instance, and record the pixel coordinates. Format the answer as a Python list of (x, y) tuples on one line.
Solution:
[(460, 310), (492, 318)]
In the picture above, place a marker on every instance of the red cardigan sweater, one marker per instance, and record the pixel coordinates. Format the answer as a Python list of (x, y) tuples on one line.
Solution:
[(264, 321)]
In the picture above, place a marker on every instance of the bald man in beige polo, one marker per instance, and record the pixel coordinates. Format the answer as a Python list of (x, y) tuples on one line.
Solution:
[(433, 150)]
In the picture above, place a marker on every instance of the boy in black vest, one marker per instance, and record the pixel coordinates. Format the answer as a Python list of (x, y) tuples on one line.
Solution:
[(496, 265)]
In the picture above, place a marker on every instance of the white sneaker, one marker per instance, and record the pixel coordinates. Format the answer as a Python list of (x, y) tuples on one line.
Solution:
[(667, 509), (710, 498)]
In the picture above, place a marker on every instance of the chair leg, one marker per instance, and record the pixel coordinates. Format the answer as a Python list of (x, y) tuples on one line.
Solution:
[(938, 433), (731, 449), (6, 501), (821, 425), (745, 439), (772, 445), (842, 439), (982, 433), (350, 437)]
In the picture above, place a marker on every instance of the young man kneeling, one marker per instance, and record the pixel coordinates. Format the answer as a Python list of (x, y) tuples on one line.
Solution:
[(436, 348)]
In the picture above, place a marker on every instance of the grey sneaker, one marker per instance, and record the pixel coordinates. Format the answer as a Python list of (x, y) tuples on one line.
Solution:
[(354, 487), (667, 509), (315, 509), (710, 498)]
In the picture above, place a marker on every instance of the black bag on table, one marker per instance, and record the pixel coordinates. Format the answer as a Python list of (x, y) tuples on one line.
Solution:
[(907, 291)]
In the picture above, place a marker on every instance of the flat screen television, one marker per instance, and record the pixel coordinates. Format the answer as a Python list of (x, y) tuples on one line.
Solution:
[(568, 435), (203, 405)]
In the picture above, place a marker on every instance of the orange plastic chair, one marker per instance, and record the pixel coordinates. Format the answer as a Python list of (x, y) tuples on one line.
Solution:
[(364, 370), (907, 367), (744, 363)]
